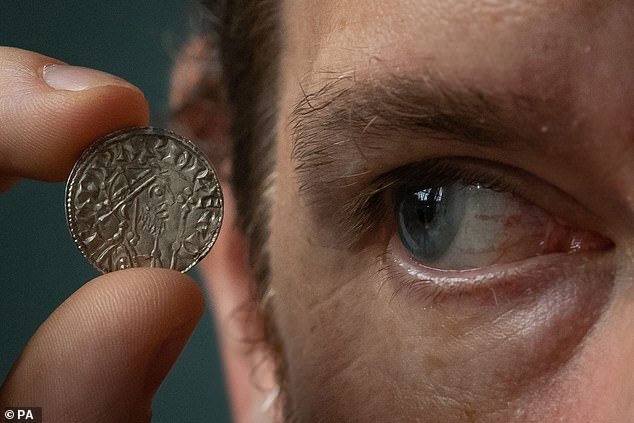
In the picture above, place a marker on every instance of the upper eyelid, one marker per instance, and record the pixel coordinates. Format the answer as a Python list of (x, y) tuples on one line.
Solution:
[(433, 172), (367, 208)]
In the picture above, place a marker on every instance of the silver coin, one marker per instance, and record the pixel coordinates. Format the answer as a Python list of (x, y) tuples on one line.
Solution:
[(143, 197)]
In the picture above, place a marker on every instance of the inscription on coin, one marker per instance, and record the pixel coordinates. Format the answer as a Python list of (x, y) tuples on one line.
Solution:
[(143, 197)]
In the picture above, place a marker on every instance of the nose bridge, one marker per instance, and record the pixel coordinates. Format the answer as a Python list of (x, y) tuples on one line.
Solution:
[(598, 386), (618, 362), (611, 361), (601, 66), (601, 82)]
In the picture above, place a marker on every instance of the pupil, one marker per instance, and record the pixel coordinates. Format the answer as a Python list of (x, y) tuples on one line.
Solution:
[(427, 204)]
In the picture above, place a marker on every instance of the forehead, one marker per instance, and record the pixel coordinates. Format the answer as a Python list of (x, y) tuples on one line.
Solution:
[(570, 56), (468, 38)]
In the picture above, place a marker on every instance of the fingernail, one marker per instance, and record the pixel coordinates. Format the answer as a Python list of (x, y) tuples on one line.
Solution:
[(78, 78)]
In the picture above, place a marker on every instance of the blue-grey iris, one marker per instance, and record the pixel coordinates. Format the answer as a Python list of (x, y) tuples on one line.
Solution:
[(428, 219)]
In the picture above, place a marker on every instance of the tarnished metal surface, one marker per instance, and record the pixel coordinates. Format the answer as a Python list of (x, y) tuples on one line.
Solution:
[(143, 197)]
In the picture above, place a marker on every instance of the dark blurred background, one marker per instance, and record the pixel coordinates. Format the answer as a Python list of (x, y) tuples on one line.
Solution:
[(39, 263)]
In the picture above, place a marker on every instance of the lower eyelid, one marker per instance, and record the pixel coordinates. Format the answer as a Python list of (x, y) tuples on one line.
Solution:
[(522, 322), (492, 285)]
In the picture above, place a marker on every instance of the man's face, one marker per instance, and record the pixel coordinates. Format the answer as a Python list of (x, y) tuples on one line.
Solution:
[(453, 223)]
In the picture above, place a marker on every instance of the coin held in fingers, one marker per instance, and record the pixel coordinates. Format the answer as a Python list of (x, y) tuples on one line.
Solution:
[(143, 197)]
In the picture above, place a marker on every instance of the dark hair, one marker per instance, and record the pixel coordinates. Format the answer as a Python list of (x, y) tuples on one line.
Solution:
[(246, 34), (243, 37)]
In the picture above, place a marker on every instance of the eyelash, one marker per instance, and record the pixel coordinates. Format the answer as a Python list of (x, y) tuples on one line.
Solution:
[(370, 209)]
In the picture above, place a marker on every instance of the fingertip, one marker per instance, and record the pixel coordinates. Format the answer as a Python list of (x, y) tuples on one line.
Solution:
[(50, 117), (81, 118), (172, 293)]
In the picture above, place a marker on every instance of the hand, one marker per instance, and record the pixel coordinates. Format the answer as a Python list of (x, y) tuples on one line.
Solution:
[(101, 356)]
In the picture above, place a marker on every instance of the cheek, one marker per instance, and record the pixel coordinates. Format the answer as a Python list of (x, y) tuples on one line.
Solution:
[(327, 315)]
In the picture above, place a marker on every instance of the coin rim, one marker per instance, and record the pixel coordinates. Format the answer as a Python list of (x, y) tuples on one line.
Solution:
[(132, 131)]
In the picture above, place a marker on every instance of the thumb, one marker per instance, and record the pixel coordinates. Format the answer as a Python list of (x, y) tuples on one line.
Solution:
[(101, 356), (50, 112)]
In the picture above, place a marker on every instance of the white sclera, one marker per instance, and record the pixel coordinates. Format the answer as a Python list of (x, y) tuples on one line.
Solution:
[(497, 227)]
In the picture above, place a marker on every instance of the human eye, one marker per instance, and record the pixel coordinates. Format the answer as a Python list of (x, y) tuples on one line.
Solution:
[(458, 226), (458, 222)]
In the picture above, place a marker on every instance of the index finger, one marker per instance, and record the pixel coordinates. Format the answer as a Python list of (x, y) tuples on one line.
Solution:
[(51, 111)]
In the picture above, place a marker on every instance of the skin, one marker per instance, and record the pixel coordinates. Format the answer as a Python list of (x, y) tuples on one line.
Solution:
[(546, 339), (543, 339)]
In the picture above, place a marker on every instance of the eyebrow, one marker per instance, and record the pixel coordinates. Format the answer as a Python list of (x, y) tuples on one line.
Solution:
[(344, 121)]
